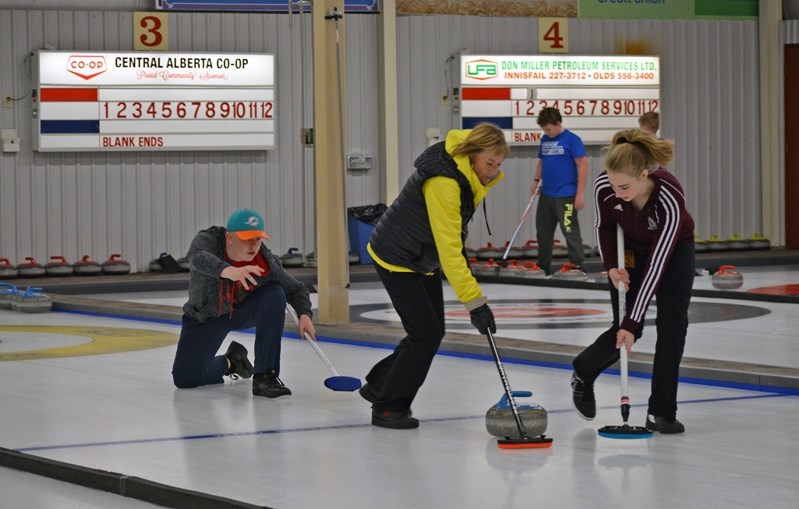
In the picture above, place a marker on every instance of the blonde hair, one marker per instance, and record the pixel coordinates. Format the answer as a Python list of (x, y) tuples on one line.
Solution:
[(649, 121), (484, 137), (632, 151)]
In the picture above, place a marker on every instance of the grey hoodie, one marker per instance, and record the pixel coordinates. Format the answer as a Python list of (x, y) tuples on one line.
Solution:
[(211, 296)]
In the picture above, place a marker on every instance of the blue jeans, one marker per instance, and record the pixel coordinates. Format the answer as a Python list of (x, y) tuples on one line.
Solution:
[(196, 362)]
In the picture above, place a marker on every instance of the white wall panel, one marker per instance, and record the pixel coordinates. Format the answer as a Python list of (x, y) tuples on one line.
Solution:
[(709, 94), (141, 204)]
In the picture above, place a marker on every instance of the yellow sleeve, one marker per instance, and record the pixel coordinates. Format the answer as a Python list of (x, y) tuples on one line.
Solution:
[(443, 198)]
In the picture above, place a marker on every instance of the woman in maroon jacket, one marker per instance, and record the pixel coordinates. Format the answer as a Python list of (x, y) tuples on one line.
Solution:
[(639, 194)]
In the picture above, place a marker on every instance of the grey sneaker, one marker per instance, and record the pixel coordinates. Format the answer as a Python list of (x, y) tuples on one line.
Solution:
[(664, 425), (583, 398)]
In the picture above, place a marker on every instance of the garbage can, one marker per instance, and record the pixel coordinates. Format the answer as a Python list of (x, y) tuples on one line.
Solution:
[(361, 222)]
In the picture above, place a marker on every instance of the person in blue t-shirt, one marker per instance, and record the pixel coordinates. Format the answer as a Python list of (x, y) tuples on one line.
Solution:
[(562, 170)]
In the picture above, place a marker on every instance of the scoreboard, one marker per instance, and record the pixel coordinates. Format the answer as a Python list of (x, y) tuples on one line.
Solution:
[(99, 101), (596, 95)]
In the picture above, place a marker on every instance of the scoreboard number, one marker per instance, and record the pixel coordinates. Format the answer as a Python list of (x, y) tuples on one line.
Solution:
[(553, 35)]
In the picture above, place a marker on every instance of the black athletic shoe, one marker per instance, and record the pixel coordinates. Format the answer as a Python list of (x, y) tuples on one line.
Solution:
[(394, 419), (583, 398), (269, 386), (366, 393), (664, 425), (240, 366)]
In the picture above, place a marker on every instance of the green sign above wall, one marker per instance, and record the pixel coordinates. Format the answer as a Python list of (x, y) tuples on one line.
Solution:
[(669, 9)]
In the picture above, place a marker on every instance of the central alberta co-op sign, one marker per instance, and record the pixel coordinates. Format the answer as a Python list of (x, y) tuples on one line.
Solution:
[(86, 101), (596, 95)]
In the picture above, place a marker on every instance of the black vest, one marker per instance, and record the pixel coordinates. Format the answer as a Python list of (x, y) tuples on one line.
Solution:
[(403, 235)]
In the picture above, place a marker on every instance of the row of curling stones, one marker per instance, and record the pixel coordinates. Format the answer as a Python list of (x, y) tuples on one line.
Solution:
[(501, 423), (735, 243), (727, 278), (29, 301), (511, 269), (59, 266)]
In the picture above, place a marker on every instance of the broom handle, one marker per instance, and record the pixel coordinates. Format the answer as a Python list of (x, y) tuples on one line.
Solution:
[(521, 221), (310, 341), (625, 400)]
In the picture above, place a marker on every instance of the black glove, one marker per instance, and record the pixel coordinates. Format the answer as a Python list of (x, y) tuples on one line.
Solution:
[(483, 319)]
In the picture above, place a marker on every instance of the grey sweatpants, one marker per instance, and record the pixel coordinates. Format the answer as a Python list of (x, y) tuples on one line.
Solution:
[(549, 213)]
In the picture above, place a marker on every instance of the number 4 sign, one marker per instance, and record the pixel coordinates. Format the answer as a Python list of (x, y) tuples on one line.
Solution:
[(553, 35), (150, 31)]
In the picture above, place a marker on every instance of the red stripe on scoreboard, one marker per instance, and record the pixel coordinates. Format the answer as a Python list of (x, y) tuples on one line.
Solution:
[(68, 94), (485, 93)]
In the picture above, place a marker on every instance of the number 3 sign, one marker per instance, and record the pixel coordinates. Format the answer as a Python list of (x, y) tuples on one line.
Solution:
[(553, 35), (150, 31)]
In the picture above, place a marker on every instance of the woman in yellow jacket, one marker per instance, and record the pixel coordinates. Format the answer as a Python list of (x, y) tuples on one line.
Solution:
[(420, 235)]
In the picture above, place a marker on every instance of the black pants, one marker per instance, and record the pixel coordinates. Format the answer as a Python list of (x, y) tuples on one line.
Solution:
[(673, 297), (419, 302)]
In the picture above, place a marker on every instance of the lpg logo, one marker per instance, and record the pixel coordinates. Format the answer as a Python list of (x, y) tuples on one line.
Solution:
[(481, 69), (86, 66)]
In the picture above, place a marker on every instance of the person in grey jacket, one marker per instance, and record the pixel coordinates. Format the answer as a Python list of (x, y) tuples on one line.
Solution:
[(237, 283)]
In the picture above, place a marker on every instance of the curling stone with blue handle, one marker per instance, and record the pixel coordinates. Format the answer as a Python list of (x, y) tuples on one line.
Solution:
[(8, 292), (32, 301), (501, 423)]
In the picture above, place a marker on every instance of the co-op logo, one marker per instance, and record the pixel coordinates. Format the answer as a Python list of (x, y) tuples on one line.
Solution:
[(86, 66), (481, 69)]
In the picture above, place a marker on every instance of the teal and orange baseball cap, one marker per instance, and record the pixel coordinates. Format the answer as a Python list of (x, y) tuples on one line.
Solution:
[(247, 224)]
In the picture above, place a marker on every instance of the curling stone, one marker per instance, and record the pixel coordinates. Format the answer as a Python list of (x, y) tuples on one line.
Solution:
[(570, 272), (353, 258), (512, 269), (7, 271), (559, 250), (293, 258), (716, 243), (470, 252), (185, 265), (738, 243), (32, 301), (727, 278), (31, 269), (757, 241), (116, 266), (87, 267), (500, 421), (474, 265), (164, 264), (515, 251), (700, 246), (532, 271), (489, 268), (489, 251), (601, 277), (58, 266), (8, 292), (530, 249)]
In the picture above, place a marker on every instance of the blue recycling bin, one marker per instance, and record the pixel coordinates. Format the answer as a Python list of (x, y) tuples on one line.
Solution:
[(359, 237)]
